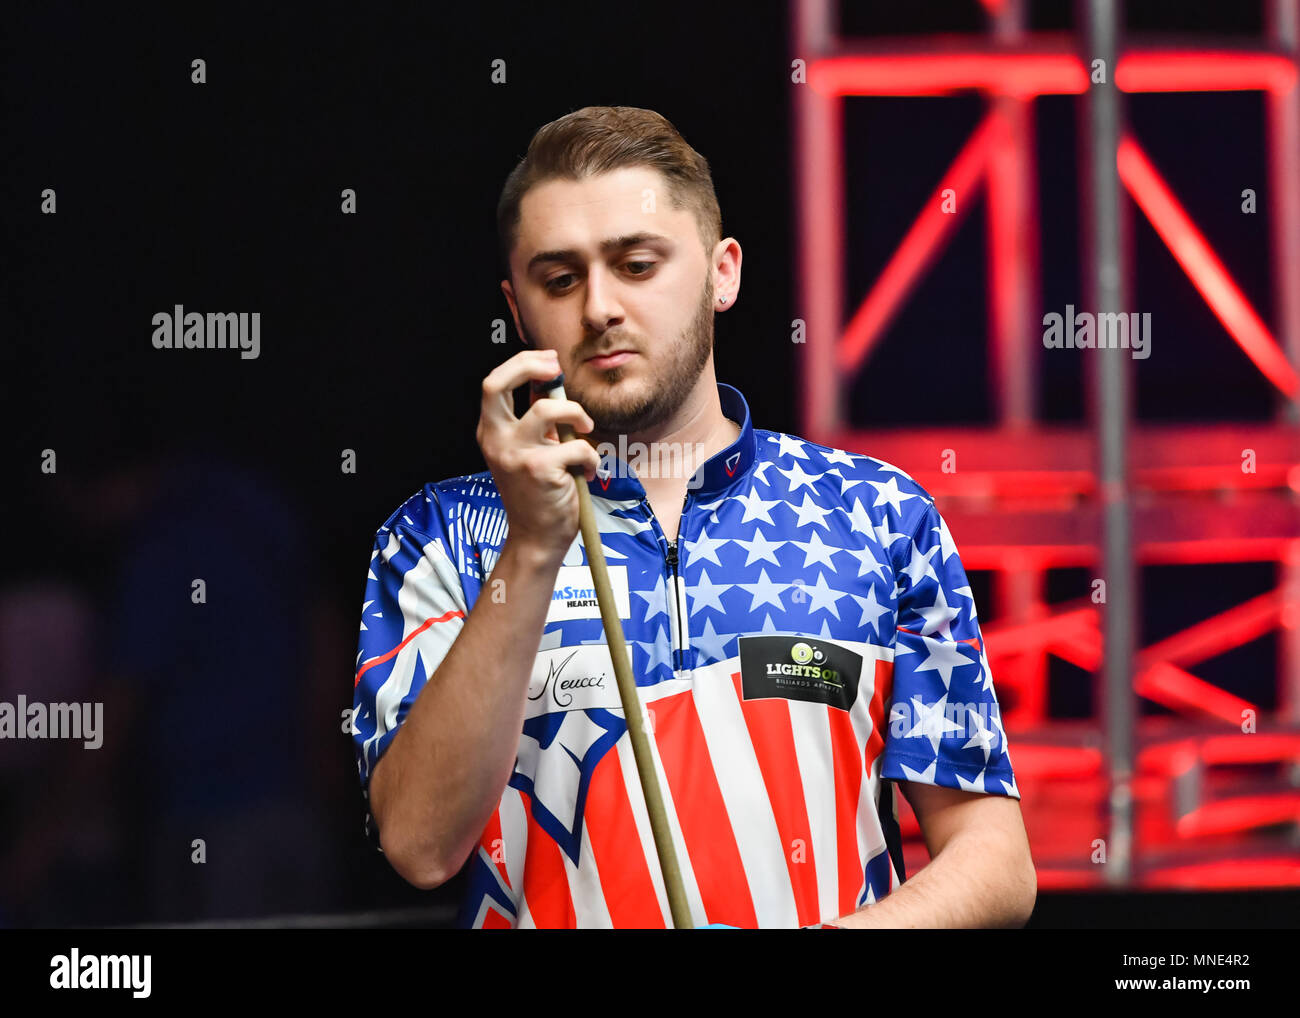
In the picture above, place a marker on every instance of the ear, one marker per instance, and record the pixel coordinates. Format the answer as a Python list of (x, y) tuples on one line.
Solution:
[(509, 291)]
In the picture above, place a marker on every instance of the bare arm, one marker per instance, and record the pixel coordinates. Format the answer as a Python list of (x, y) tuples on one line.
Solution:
[(980, 872), (436, 785), (434, 789)]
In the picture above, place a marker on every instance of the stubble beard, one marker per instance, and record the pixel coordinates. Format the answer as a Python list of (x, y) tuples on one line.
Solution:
[(668, 387)]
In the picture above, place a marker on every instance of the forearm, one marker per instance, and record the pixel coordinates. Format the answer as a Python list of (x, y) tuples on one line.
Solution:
[(977, 880), (435, 787)]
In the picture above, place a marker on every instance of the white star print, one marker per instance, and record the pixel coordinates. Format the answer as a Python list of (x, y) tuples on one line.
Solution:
[(760, 548), (887, 493), (790, 446), (938, 617), (823, 597), (760, 471), (846, 483), (925, 777), (810, 512), (838, 456), (919, 568), (764, 591), (707, 547), (705, 594), (884, 536), (755, 507), (799, 479), (859, 518), (945, 540), (710, 645), (945, 658), (712, 509), (932, 722), (656, 600), (868, 564), (983, 737), (657, 650), (816, 551), (872, 609)]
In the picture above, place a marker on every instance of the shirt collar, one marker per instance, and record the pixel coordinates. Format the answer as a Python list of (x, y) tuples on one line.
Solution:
[(617, 480)]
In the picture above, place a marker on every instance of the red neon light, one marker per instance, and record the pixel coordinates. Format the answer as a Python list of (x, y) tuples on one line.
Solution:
[(1039, 761), (1204, 71), (1202, 266), (1221, 749), (1018, 74), (1030, 74), (1276, 872), (1240, 815), (1180, 690), (1211, 637), (917, 249)]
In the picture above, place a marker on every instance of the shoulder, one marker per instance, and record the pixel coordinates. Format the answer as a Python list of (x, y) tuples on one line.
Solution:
[(839, 477), (430, 509)]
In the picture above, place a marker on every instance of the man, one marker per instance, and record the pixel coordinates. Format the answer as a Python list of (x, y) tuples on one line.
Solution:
[(800, 625)]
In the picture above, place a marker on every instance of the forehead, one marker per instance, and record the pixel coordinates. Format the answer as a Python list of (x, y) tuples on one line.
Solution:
[(570, 213)]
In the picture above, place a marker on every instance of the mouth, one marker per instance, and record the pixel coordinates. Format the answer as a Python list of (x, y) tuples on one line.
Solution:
[(610, 360)]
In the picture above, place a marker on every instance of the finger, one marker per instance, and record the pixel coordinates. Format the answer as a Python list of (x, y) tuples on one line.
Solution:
[(551, 463), (506, 377), (545, 414), (577, 455)]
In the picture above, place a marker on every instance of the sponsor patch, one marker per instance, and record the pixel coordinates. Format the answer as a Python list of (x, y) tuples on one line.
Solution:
[(799, 668), (573, 678), (574, 594)]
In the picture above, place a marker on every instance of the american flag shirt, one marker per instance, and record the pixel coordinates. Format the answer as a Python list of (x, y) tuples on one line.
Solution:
[(809, 639)]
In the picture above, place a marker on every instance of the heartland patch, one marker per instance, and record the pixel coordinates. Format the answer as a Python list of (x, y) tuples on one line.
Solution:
[(799, 668), (574, 595)]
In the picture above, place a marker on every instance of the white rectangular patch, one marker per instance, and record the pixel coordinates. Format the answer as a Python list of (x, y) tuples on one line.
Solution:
[(574, 595), (573, 678)]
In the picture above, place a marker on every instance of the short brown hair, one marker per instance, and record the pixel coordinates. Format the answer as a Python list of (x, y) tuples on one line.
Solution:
[(597, 139)]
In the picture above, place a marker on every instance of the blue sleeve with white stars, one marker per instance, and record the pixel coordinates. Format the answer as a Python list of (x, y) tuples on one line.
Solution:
[(945, 725)]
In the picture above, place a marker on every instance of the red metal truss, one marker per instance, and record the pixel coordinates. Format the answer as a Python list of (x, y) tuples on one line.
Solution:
[(1022, 497)]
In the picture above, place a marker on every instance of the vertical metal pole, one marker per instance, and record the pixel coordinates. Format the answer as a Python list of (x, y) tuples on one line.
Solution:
[(1014, 324), (1012, 244), (819, 215), (1111, 412)]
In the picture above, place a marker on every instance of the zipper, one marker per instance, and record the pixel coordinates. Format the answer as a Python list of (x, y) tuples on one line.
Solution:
[(671, 560), (679, 654)]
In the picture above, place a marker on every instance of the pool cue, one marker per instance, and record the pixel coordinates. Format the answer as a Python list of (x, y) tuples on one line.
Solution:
[(627, 690)]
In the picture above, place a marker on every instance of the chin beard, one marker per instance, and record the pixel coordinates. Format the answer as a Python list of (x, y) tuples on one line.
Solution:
[(668, 390)]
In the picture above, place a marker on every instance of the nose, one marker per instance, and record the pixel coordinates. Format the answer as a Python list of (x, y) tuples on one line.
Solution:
[(601, 310)]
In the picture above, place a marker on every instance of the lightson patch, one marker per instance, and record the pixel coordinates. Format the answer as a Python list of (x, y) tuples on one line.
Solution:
[(799, 668)]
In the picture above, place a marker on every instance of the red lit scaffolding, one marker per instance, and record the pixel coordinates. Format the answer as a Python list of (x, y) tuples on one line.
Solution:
[(1190, 800)]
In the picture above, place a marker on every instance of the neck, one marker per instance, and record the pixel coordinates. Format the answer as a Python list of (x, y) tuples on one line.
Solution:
[(696, 432)]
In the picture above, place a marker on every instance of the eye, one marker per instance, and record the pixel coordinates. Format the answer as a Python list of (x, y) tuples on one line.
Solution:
[(648, 267), (550, 283)]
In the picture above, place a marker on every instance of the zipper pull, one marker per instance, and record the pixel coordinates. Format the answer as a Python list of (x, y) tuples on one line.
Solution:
[(672, 554)]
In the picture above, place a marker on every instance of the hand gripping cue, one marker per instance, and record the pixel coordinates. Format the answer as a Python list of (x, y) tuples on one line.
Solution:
[(632, 709)]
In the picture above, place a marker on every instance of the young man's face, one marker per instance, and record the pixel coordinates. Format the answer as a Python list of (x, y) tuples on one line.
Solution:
[(624, 295)]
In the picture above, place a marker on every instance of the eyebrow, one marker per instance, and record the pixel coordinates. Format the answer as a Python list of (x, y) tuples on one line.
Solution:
[(606, 246)]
